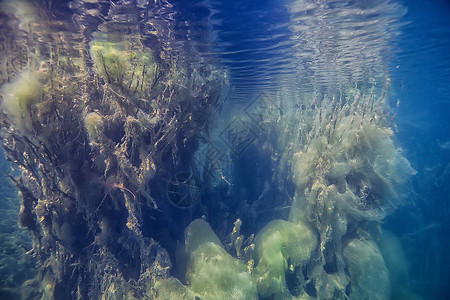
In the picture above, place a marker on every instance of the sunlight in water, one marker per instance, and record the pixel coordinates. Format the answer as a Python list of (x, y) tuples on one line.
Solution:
[(204, 150)]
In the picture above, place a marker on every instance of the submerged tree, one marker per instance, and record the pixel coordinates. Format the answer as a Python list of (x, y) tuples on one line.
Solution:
[(94, 127)]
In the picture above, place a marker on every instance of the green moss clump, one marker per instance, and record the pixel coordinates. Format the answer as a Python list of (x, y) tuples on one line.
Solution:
[(94, 125), (281, 245), (109, 61), (19, 95), (130, 70), (212, 272)]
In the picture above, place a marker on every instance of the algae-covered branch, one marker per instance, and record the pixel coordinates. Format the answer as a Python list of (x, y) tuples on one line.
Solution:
[(93, 124)]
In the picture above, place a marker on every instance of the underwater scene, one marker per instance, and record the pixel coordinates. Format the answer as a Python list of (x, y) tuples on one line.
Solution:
[(224, 149)]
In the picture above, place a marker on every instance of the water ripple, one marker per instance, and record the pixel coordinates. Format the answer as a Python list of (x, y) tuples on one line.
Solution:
[(332, 44)]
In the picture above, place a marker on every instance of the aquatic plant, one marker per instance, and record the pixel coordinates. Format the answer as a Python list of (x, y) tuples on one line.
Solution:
[(19, 95), (281, 248), (94, 125), (349, 175), (131, 70), (71, 127), (98, 131)]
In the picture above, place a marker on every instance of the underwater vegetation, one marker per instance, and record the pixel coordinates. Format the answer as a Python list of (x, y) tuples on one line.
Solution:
[(94, 133), (90, 130), (347, 178)]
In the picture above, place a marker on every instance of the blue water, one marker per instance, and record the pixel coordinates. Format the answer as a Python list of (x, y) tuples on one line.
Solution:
[(278, 50), (421, 77)]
